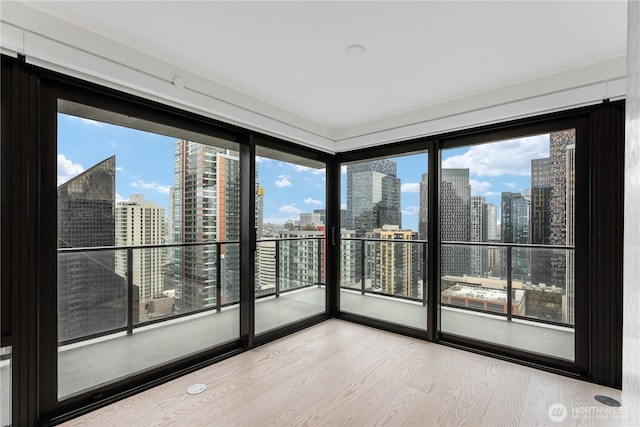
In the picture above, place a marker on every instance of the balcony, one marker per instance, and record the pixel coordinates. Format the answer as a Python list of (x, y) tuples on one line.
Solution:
[(490, 292), (151, 339), (106, 331)]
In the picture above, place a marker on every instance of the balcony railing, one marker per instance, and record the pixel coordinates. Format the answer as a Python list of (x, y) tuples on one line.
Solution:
[(305, 255), (99, 287), (409, 280), (532, 282), (518, 281)]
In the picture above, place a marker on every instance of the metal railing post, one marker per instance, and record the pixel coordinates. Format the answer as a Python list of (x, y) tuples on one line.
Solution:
[(218, 277), (319, 262), (424, 273), (362, 267), (277, 268), (129, 291), (509, 284)]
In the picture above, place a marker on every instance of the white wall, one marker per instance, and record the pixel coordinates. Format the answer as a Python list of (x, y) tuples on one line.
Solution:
[(631, 275)]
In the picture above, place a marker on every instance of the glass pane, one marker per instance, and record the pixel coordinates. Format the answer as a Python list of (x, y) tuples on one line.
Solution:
[(290, 256), (92, 296), (383, 240), (519, 195), (148, 252)]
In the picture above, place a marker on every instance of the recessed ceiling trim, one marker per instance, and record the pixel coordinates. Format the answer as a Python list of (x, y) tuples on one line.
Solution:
[(583, 86), (59, 46)]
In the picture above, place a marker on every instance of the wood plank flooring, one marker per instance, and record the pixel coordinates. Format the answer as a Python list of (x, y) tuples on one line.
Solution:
[(339, 373)]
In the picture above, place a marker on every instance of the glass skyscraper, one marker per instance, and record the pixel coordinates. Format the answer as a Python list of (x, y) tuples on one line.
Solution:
[(373, 196), (92, 298)]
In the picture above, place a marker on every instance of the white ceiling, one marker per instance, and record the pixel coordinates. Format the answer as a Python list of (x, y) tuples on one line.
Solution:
[(419, 54)]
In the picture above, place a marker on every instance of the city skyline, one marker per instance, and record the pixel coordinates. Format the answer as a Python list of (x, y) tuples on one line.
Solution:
[(289, 189), (204, 205)]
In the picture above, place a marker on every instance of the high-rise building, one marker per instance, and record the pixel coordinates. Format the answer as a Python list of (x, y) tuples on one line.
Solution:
[(571, 218), (423, 218), (349, 250), (562, 206), (540, 219), (395, 265), (141, 222), (515, 218), (323, 216), (373, 196), (266, 267), (492, 223), (259, 211), (540, 201), (300, 259), (478, 232), (455, 221), (92, 297), (206, 208), (515, 229), (494, 254)]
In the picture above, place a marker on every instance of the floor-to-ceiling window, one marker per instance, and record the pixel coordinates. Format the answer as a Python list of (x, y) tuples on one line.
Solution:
[(384, 238), (148, 221), (502, 211), (507, 254), (291, 230)]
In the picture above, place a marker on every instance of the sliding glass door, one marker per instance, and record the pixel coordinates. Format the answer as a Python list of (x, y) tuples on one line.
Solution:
[(384, 238), (148, 221), (507, 229), (291, 229)]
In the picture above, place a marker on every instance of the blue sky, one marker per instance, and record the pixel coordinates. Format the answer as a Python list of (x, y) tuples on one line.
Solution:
[(144, 165)]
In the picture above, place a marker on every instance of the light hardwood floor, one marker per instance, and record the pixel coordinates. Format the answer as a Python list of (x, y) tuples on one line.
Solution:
[(340, 373)]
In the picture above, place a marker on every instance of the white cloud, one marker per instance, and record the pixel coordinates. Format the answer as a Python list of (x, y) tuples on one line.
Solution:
[(67, 169), (300, 168), (88, 121), (411, 210), (510, 185), (313, 171), (505, 157), (119, 198), (260, 159), (290, 210), (153, 186), (113, 144), (491, 193), (311, 201), (343, 169), (410, 187), (479, 187), (283, 181), (120, 168), (343, 206)]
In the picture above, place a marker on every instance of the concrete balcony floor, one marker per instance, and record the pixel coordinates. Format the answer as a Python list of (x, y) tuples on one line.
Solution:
[(89, 364), (533, 337)]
